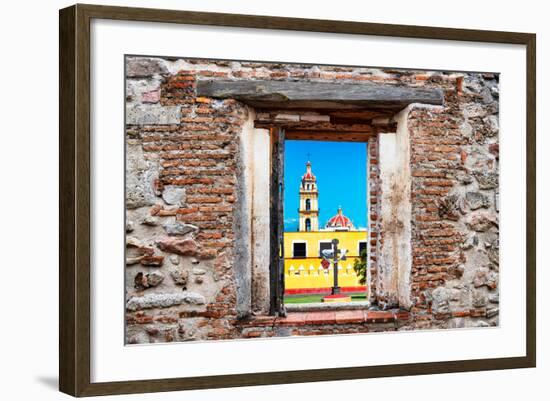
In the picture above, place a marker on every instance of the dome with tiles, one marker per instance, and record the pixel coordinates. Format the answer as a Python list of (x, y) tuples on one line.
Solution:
[(339, 222)]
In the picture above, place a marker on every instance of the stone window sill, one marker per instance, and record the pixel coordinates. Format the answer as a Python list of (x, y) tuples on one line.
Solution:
[(359, 316), (323, 306)]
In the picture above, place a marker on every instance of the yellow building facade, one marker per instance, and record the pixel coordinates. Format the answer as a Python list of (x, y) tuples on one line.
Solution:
[(304, 274), (303, 270)]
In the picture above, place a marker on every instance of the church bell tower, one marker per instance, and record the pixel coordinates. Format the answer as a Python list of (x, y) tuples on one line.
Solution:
[(309, 202)]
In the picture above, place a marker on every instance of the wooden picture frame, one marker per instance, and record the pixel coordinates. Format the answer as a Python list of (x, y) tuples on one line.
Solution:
[(75, 207)]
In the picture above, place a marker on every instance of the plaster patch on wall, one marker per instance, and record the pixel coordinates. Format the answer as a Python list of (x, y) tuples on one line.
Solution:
[(260, 221), (243, 216)]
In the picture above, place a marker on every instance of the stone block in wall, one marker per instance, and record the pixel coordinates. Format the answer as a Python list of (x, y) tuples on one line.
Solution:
[(173, 195), (143, 281), (477, 200), (481, 221), (486, 180), (152, 114), (140, 178), (143, 90), (150, 301), (145, 67), (440, 300)]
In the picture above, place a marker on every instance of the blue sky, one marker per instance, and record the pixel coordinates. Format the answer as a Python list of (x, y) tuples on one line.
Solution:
[(340, 168)]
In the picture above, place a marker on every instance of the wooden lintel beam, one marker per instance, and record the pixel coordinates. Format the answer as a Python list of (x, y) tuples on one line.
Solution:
[(364, 114), (314, 126), (318, 95), (328, 136), (340, 120)]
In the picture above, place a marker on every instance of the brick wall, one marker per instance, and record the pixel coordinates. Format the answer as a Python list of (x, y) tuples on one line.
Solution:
[(184, 166), (454, 163), (375, 236)]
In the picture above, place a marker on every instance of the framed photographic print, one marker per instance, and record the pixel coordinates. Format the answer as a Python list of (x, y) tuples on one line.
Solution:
[(250, 200)]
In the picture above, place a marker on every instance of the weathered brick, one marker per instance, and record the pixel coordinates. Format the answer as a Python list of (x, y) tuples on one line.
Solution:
[(204, 199)]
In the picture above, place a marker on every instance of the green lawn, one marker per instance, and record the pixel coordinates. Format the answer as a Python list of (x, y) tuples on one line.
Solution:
[(310, 298)]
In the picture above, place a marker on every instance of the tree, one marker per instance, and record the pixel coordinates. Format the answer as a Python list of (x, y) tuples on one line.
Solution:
[(360, 267)]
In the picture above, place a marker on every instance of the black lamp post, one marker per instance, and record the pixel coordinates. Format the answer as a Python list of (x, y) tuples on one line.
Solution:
[(335, 287)]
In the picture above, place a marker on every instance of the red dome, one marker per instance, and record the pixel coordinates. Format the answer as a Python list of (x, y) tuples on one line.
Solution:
[(339, 221)]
